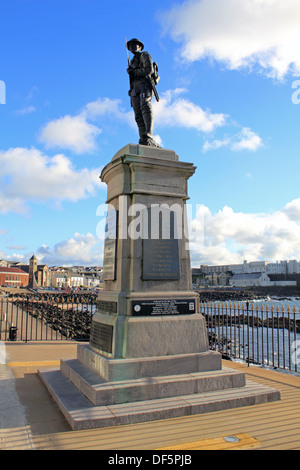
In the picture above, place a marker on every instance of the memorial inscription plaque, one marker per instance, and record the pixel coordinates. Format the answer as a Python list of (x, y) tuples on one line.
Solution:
[(163, 307), (106, 306), (110, 246), (101, 336), (161, 259), (161, 247)]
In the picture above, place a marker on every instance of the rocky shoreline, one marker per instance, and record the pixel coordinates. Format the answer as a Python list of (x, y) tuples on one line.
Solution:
[(222, 296), (208, 295), (218, 321)]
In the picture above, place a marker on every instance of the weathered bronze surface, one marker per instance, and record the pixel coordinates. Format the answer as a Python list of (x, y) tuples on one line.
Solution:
[(143, 79), (101, 336), (161, 259)]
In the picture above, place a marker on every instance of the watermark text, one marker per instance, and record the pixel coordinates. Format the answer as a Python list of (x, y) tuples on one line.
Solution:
[(156, 221), (296, 94), (2, 92)]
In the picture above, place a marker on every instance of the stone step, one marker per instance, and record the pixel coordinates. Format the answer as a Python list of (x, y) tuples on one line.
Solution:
[(101, 392), (82, 414), (116, 369)]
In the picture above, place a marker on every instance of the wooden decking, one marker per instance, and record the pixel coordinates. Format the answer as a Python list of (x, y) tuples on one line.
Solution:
[(271, 426)]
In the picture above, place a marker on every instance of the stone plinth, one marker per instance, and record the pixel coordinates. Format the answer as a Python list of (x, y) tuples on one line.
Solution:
[(148, 356), (149, 276)]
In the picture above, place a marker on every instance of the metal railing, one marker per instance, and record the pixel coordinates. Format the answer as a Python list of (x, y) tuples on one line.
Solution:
[(46, 317), (256, 333)]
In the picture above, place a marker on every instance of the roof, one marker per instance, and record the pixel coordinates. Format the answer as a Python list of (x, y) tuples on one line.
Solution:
[(246, 276), (12, 270)]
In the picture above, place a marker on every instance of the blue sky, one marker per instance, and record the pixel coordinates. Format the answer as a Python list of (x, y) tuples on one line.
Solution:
[(227, 105)]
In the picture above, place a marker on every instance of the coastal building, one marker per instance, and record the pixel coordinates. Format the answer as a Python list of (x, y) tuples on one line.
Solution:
[(13, 277), (63, 279), (279, 267), (92, 280), (59, 279), (258, 280), (39, 274), (75, 280), (249, 280)]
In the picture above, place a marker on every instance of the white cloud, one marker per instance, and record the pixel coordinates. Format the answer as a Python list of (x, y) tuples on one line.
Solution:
[(246, 139), (77, 133), (81, 249), (14, 257), (11, 204), (247, 33), (107, 107), (174, 111), (70, 132), (28, 174), (227, 236), (26, 110), (292, 210)]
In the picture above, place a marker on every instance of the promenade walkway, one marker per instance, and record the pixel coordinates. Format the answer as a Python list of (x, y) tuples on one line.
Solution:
[(31, 420)]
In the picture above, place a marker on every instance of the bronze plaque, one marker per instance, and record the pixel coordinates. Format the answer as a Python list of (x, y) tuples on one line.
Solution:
[(101, 336), (106, 306), (163, 307), (161, 247), (161, 259)]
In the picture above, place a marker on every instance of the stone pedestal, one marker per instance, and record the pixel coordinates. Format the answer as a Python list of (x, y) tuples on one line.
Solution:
[(147, 307), (148, 356)]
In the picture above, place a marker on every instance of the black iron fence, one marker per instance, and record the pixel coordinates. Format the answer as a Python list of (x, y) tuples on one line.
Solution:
[(255, 333), (43, 317)]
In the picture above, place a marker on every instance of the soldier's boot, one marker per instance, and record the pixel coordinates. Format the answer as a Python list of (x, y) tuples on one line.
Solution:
[(147, 137)]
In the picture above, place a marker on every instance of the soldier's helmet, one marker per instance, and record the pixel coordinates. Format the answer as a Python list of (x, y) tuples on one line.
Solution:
[(136, 41)]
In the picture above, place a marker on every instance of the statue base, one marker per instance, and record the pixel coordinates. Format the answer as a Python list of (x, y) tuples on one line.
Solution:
[(147, 389), (148, 356)]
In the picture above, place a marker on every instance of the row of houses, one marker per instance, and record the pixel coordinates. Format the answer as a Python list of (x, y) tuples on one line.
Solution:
[(278, 267), (258, 279), (34, 275)]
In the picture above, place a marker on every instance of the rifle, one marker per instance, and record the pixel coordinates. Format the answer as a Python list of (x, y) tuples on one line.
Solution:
[(130, 79)]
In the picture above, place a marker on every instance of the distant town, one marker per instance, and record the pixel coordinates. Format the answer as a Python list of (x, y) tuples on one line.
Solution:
[(40, 276), (248, 274), (252, 274)]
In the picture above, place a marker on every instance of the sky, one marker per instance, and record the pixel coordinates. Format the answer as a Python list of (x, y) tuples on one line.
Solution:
[(229, 103)]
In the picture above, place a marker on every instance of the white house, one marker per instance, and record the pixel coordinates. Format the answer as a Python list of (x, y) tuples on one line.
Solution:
[(256, 279), (91, 280), (250, 280), (59, 279), (75, 280)]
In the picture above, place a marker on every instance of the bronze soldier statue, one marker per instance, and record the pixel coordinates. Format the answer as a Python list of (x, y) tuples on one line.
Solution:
[(143, 79)]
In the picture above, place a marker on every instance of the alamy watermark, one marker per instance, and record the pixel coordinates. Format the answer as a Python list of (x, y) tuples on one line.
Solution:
[(2, 92), (296, 94), (154, 221)]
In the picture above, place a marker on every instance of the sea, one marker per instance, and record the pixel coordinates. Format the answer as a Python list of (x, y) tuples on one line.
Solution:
[(274, 348)]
